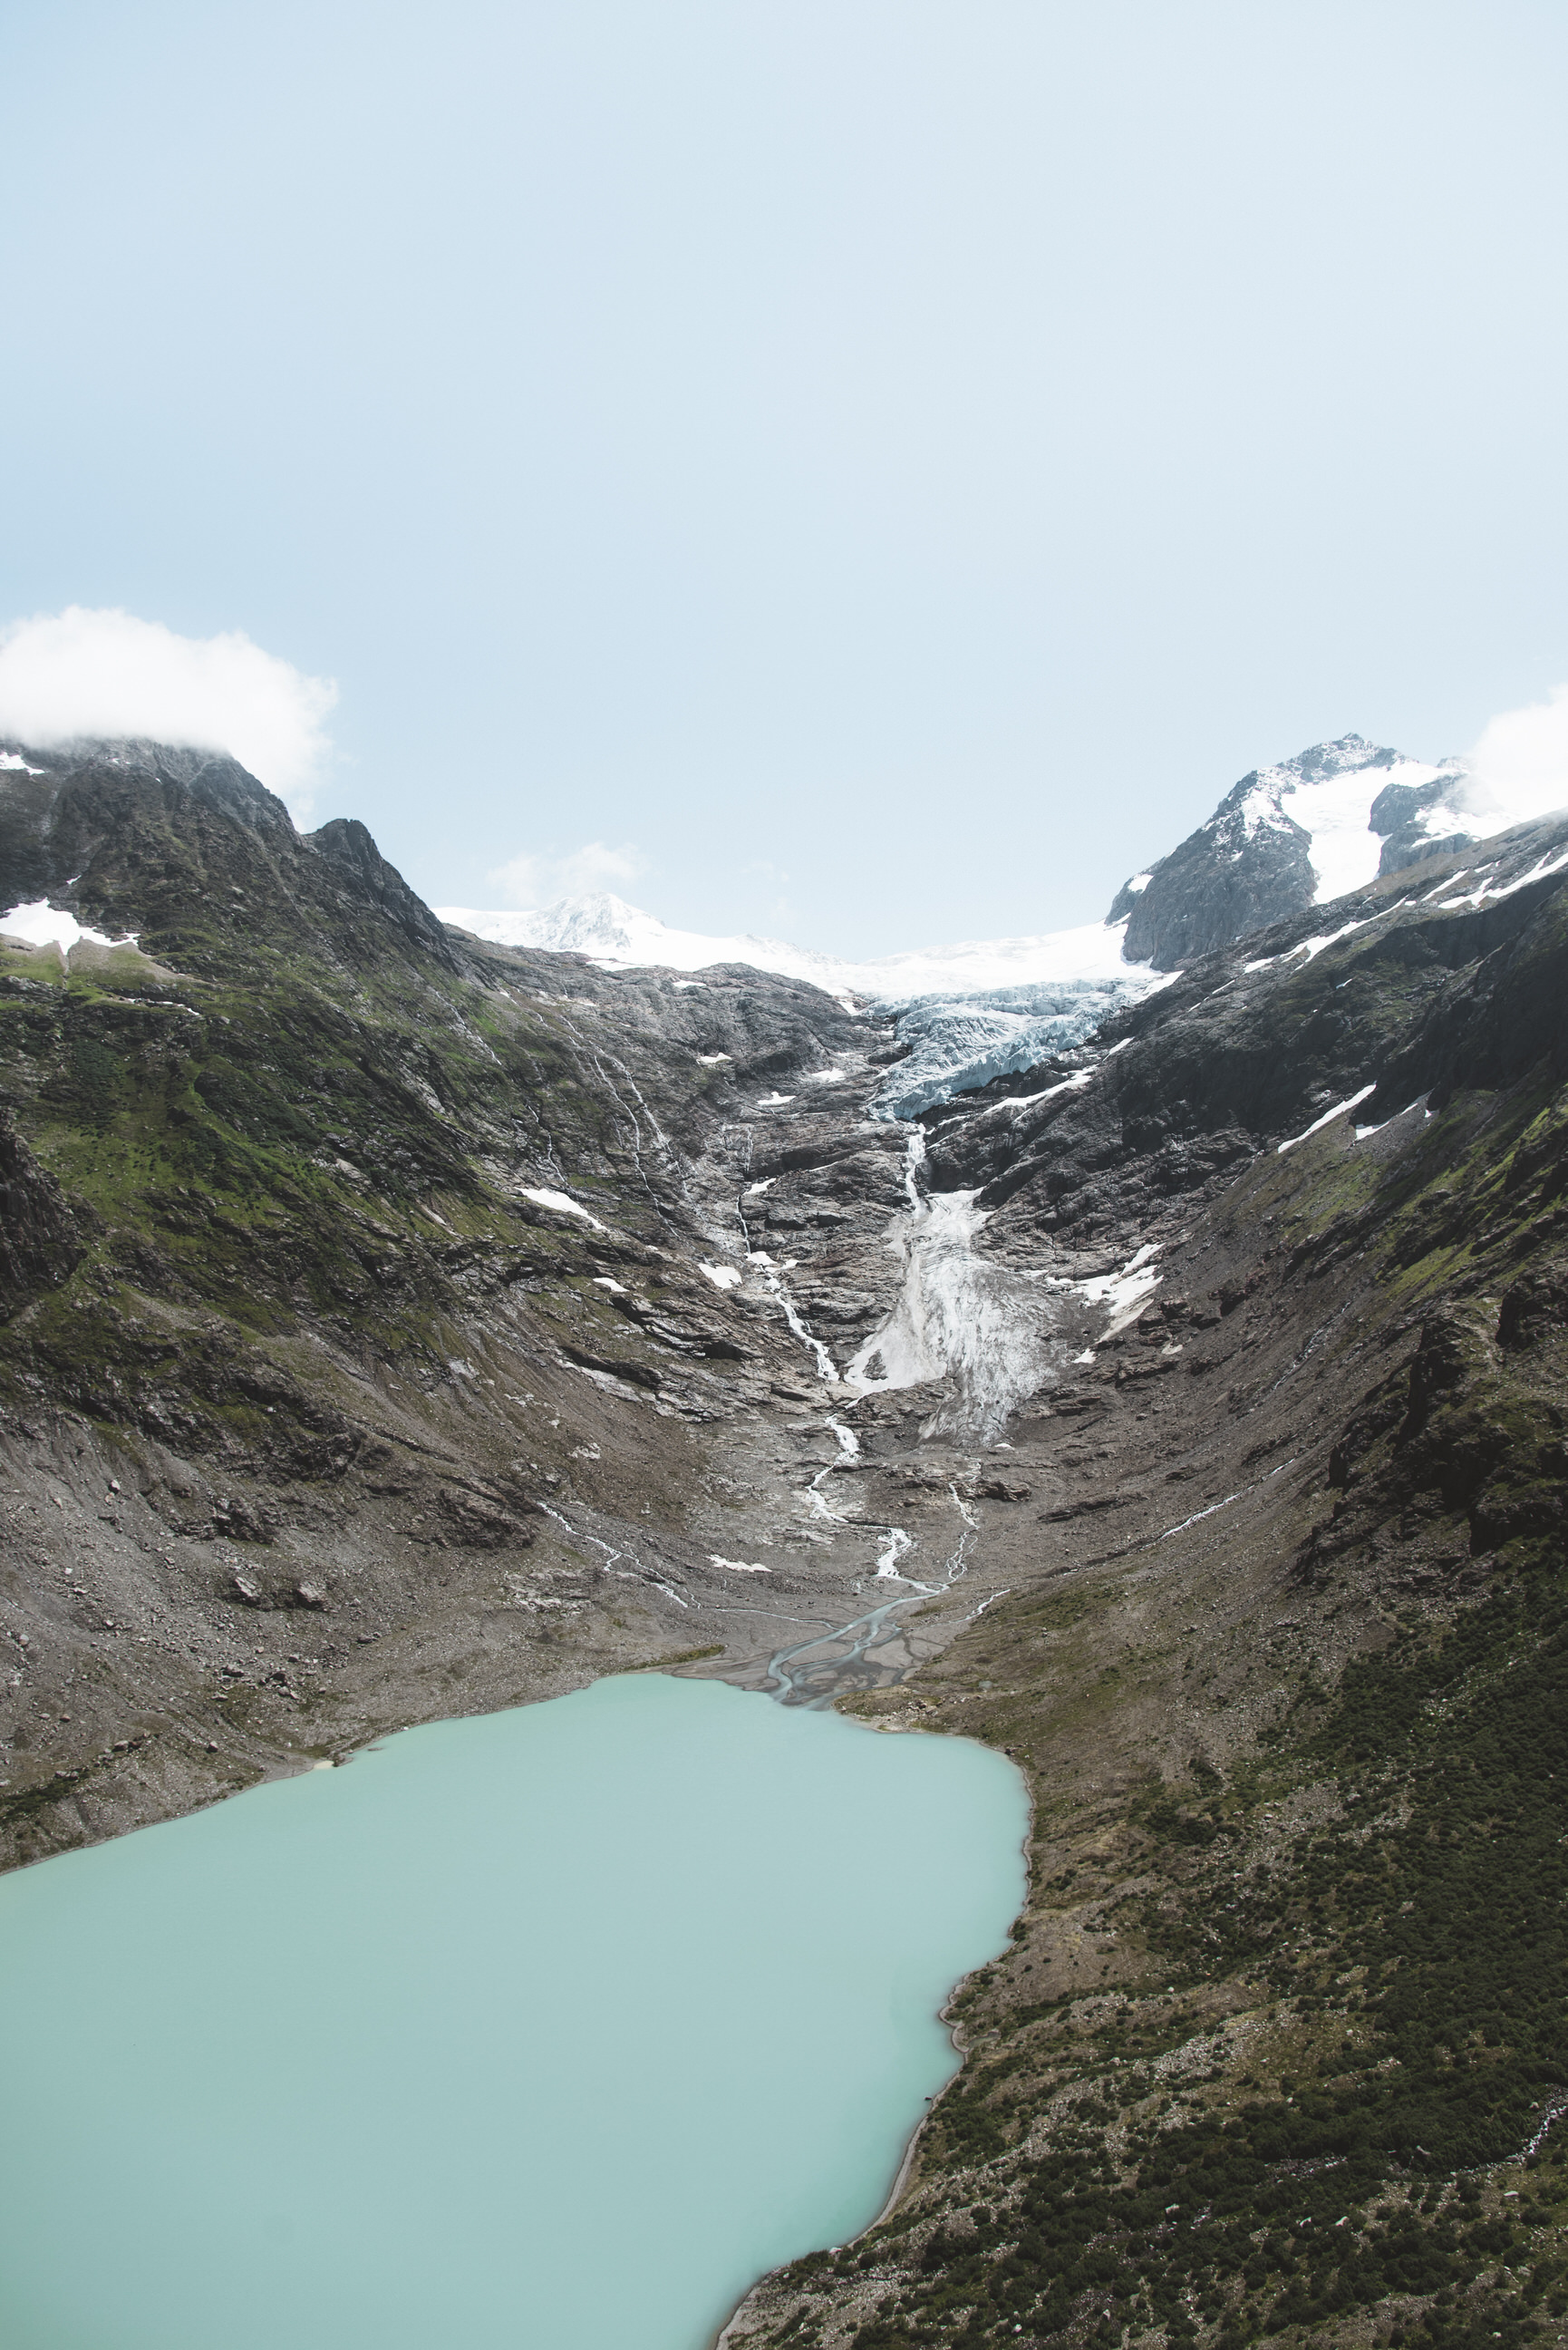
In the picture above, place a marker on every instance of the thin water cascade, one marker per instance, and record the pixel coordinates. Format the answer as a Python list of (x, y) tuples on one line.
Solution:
[(898, 1542), (612, 1558), (848, 1450), (774, 1284)]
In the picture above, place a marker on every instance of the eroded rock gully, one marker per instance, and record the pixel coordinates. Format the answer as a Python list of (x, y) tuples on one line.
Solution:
[(397, 1325)]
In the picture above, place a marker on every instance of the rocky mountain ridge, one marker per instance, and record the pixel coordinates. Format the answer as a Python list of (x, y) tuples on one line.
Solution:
[(397, 1323)]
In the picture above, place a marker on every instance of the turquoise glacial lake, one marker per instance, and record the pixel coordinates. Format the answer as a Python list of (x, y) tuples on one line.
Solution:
[(550, 2029)]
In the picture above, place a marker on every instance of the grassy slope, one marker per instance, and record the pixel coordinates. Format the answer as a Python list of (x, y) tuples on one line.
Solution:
[(1286, 2007), (246, 1161)]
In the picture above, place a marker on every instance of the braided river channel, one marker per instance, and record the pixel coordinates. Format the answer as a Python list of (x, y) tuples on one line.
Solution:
[(545, 2030)]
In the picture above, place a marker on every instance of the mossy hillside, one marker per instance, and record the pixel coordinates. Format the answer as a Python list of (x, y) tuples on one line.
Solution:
[(1414, 1970), (328, 1147), (1415, 1954), (1490, 1169), (1318, 2008)]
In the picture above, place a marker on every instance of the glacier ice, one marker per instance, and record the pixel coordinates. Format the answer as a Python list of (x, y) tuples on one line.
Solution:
[(963, 1041), (978, 1010), (959, 1317)]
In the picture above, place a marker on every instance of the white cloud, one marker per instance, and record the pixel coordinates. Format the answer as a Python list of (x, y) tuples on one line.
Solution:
[(78, 672), (1520, 765), (530, 881)]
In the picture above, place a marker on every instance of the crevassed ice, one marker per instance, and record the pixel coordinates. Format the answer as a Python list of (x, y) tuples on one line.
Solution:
[(961, 1042)]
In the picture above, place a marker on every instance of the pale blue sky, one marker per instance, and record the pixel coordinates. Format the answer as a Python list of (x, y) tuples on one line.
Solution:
[(894, 463)]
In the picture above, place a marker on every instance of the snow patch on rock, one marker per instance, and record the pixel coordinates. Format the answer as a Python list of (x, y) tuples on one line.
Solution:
[(563, 1205), (1351, 1101), (42, 925)]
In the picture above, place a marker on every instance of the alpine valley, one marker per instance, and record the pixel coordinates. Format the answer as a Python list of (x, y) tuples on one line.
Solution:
[(1143, 1349)]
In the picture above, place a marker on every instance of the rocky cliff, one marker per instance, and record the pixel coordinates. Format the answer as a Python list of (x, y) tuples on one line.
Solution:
[(399, 1326)]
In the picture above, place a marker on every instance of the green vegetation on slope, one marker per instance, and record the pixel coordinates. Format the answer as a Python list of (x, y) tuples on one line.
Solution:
[(1311, 2094)]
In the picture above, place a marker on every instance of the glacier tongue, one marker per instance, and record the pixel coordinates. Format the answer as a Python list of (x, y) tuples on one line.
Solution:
[(972, 1011), (963, 1041)]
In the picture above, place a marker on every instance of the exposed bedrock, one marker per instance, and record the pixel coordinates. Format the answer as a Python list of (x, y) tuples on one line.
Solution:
[(1389, 995)]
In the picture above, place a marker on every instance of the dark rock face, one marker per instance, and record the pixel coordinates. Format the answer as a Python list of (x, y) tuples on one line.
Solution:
[(40, 1245), (191, 851), (1237, 872), (1535, 1308), (367, 878), (1397, 811), (1419, 1003)]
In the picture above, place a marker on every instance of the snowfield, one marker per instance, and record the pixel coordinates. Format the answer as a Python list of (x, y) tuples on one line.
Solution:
[(1328, 792), (40, 924), (972, 1011), (606, 928)]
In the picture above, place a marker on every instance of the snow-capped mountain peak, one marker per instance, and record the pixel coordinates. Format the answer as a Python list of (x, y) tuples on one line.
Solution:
[(1299, 834), (603, 927), (1330, 793)]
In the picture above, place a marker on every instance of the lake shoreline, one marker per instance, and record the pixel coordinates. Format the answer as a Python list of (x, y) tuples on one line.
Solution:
[(726, 2339), (429, 1961)]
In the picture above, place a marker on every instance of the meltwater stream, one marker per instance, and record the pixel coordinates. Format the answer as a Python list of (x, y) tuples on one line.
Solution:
[(551, 2029)]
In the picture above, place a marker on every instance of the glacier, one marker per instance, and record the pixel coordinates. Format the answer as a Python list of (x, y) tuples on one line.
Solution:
[(1309, 829), (981, 1009), (959, 1041)]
